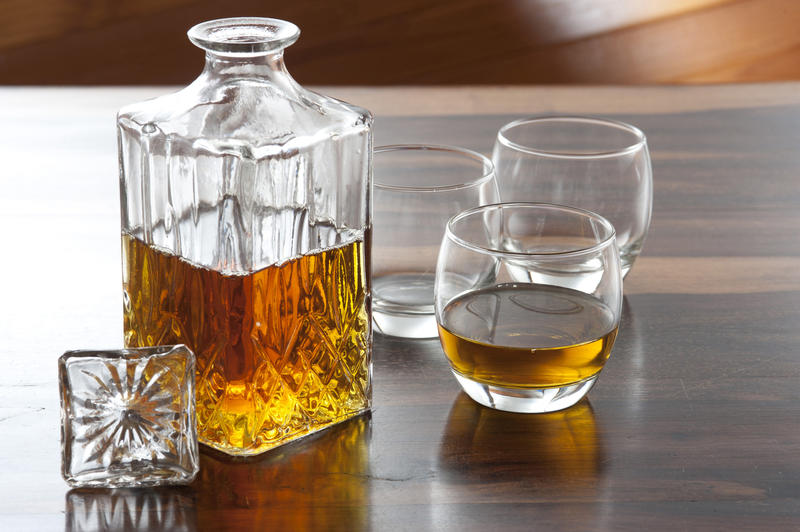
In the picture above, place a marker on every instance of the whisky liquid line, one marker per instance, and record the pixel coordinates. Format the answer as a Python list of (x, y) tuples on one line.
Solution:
[(527, 335), (281, 352)]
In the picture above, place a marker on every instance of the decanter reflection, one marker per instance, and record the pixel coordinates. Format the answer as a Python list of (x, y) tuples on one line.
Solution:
[(315, 484)]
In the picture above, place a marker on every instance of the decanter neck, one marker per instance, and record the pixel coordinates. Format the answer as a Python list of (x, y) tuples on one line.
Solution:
[(269, 65), (247, 47)]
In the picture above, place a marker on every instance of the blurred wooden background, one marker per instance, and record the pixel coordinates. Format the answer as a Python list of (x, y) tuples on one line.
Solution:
[(414, 42)]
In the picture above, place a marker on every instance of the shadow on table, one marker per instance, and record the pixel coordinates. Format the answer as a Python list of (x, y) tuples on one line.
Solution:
[(481, 444)]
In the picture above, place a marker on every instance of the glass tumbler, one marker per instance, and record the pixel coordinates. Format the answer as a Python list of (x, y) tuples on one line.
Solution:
[(537, 345), (592, 163), (417, 188)]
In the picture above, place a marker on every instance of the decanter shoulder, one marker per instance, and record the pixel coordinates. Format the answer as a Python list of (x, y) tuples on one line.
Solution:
[(256, 111)]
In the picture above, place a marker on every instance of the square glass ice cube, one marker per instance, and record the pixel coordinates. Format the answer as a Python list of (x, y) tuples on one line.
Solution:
[(128, 417)]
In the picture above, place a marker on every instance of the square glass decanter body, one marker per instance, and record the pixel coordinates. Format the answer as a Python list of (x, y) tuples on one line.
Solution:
[(251, 249)]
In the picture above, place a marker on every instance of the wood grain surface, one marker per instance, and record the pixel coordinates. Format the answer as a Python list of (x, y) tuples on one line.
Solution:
[(414, 42), (693, 424)]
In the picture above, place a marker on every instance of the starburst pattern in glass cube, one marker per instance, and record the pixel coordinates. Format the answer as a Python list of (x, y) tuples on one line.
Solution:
[(128, 417)]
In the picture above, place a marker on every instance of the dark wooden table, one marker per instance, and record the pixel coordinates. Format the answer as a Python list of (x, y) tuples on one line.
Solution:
[(694, 423)]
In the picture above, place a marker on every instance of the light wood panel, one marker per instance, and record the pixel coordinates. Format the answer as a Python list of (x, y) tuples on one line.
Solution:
[(453, 101), (414, 42)]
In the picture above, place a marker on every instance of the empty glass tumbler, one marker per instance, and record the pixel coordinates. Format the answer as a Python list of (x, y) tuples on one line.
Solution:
[(417, 189), (245, 231), (532, 345), (592, 163)]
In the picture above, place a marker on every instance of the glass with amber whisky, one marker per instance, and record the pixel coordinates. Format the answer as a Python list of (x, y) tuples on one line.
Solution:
[(245, 236), (534, 342)]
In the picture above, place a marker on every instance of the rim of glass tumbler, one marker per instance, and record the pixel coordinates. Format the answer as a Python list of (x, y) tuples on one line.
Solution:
[(244, 36), (539, 255), (488, 166), (638, 133)]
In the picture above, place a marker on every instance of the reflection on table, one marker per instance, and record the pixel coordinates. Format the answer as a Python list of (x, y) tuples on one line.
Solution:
[(318, 483), (164, 509), (481, 444)]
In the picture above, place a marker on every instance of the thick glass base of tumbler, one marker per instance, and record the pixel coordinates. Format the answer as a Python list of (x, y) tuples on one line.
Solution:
[(405, 325), (525, 400), (402, 305), (627, 256)]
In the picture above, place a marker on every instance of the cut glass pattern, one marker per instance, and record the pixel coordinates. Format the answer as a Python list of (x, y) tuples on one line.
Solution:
[(128, 417), (281, 353)]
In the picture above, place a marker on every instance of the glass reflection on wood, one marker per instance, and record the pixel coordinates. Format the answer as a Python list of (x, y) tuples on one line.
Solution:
[(151, 510), (563, 445), (318, 483)]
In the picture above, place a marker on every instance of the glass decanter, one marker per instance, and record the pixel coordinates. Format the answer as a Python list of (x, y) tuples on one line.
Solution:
[(245, 231)]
